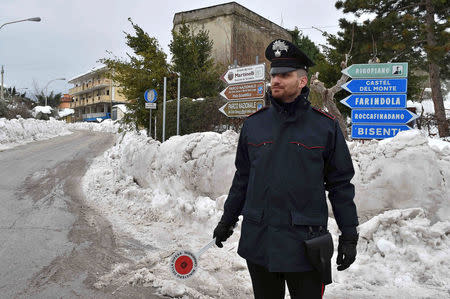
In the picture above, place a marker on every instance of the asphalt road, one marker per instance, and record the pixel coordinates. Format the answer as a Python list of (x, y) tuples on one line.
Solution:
[(51, 244)]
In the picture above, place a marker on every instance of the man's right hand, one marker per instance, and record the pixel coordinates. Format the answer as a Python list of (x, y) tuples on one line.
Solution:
[(222, 232)]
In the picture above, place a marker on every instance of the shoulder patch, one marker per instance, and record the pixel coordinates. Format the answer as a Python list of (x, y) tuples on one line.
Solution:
[(323, 112), (263, 108)]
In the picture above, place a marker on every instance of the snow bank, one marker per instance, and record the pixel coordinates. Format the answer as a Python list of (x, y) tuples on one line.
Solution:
[(409, 170), (170, 196), (400, 255), (16, 132), (107, 126)]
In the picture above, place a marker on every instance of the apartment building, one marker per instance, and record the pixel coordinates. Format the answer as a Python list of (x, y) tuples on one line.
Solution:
[(93, 95)]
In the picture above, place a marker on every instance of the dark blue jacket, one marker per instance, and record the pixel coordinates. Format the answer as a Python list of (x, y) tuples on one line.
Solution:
[(287, 156)]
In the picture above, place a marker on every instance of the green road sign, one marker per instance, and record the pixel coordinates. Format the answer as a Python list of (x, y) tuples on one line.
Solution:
[(377, 70)]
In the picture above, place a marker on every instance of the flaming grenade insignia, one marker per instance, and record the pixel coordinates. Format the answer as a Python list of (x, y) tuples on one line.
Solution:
[(279, 46)]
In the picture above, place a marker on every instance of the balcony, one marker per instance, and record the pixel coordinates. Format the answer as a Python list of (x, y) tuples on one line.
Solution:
[(95, 116), (91, 87)]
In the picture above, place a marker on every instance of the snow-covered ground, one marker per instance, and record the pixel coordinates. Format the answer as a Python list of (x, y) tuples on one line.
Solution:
[(170, 196)]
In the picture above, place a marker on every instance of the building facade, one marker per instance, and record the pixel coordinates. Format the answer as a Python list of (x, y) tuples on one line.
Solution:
[(66, 101), (93, 95), (237, 32)]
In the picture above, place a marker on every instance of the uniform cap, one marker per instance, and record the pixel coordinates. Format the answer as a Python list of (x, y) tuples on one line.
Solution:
[(286, 57)]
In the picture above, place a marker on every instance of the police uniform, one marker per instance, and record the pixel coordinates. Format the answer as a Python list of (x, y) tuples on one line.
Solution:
[(287, 156)]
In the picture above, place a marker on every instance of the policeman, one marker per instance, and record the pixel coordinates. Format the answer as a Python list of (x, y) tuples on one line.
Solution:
[(287, 156)]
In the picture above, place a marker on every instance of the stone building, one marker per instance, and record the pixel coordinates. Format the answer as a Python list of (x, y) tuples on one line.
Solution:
[(237, 32)]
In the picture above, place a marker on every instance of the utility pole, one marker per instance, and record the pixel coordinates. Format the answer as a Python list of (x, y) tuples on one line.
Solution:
[(178, 106), (1, 90)]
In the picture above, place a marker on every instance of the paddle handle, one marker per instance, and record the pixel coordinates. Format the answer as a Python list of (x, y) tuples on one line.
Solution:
[(206, 247)]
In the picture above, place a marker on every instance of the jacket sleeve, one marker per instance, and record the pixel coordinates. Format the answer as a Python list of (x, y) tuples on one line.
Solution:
[(338, 173), (236, 196)]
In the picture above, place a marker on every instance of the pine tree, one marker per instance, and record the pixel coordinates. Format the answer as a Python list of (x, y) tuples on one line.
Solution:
[(404, 30), (144, 69), (191, 58)]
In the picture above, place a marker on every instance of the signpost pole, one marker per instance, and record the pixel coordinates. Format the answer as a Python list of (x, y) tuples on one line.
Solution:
[(178, 106), (155, 128), (164, 112), (150, 124)]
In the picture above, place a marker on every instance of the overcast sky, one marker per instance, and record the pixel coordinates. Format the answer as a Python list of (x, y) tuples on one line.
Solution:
[(74, 34)]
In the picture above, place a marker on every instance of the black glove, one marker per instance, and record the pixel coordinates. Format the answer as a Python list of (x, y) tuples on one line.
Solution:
[(346, 251), (222, 232)]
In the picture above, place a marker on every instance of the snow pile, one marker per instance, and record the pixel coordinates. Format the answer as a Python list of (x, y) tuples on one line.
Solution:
[(16, 132), (409, 170), (170, 196), (107, 126), (400, 255)]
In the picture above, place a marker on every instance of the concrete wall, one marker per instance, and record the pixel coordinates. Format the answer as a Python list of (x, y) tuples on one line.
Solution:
[(237, 32), (220, 32)]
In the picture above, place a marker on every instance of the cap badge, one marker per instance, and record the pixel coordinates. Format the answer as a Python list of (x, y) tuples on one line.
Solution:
[(279, 46)]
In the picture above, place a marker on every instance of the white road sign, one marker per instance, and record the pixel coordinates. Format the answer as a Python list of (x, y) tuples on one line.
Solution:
[(243, 74)]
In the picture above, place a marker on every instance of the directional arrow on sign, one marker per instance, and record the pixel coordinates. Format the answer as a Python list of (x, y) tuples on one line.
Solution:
[(244, 91), (377, 70), (241, 108), (376, 85), (375, 101), (243, 74), (387, 116), (377, 131)]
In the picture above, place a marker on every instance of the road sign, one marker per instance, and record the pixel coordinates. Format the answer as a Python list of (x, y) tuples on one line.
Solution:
[(375, 101), (244, 91), (150, 95), (241, 108), (377, 131), (385, 116), (243, 74), (376, 85), (150, 105), (377, 70)]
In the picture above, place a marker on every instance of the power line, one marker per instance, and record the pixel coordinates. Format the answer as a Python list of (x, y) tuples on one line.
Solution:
[(319, 27)]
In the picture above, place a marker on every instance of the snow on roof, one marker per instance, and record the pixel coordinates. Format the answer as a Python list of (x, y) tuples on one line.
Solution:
[(43, 109), (428, 106), (66, 111), (94, 69), (122, 107)]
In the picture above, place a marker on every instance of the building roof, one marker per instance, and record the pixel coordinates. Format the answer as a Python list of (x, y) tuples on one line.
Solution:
[(90, 72), (219, 10)]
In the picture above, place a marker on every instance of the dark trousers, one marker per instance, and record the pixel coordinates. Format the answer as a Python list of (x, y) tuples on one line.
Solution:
[(271, 285)]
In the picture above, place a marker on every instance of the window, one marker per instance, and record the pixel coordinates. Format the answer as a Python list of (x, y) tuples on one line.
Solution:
[(107, 92)]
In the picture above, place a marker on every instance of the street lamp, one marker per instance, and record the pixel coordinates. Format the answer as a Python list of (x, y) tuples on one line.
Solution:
[(36, 19), (45, 88)]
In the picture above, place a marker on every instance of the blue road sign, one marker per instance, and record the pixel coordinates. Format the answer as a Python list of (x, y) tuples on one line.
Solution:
[(376, 85), (150, 95), (384, 116), (375, 101), (377, 131)]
